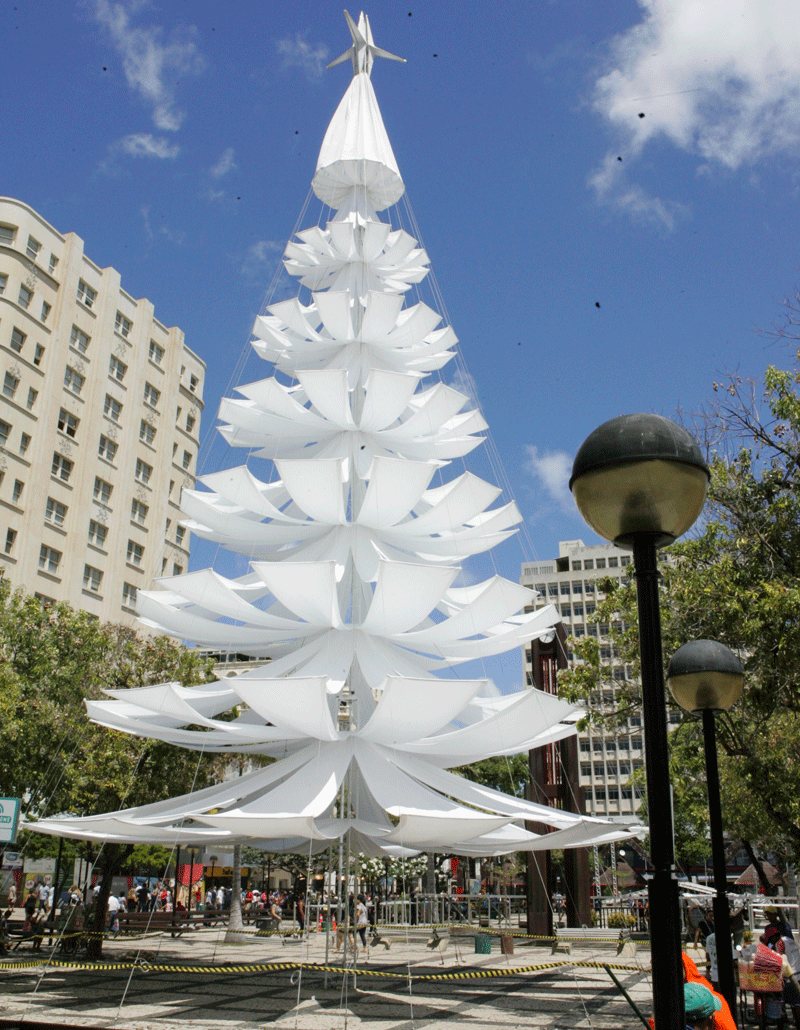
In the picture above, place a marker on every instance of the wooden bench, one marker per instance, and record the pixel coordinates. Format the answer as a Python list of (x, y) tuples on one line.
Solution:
[(565, 936), (142, 922)]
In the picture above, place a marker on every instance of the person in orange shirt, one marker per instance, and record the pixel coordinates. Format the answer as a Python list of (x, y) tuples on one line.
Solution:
[(723, 1020)]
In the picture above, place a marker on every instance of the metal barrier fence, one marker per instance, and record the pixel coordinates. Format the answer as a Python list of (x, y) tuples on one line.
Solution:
[(498, 910)]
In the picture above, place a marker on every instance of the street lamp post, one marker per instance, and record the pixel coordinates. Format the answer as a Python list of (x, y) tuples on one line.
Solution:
[(640, 481), (706, 677)]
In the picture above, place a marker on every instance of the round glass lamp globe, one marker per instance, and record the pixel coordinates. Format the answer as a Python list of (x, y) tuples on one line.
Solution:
[(705, 675), (639, 474)]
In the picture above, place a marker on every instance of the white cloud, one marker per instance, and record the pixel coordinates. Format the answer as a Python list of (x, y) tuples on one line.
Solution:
[(263, 260), (552, 469), (465, 383), (297, 53), (150, 64), (177, 237), (720, 81), (139, 144), (224, 165)]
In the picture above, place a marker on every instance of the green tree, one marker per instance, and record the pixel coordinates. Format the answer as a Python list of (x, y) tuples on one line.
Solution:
[(737, 580), (51, 755)]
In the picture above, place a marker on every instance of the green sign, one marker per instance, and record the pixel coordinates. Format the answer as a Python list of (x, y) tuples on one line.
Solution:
[(9, 819)]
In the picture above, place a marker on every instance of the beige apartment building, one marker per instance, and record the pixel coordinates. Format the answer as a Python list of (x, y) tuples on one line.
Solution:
[(570, 582), (99, 421)]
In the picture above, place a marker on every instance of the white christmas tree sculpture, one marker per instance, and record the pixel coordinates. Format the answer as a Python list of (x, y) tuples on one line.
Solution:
[(353, 555)]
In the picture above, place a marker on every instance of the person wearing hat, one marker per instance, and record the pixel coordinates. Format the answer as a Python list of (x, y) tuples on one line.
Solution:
[(700, 1005), (778, 937)]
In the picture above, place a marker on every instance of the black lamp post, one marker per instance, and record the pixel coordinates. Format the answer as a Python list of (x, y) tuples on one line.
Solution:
[(706, 677), (640, 481)]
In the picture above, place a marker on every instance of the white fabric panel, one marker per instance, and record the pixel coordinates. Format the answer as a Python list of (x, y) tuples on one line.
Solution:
[(327, 391), (306, 588), (299, 704), (498, 600), (441, 831), (394, 488), (387, 397), (381, 313), (440, 404), (212, 591), (404, 595), (316, 486), (294, 315), (412, 709), (336, 313), (249, 826), (242, 484), (465, 497), (177, 701)]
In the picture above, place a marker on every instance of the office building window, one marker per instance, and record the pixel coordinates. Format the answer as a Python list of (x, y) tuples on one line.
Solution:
[(139, 512), (32, 395), (46, 309), (33, 248), (143, 471), (61, 467), (97, 533), (123, 325), (117, 368), (135, 553), (576, 566), (16, 493), (86, 295), (67, 423), (92, 578), (73, 380), (11, 536), (25, 297), (79, 340), (8, 234), (18, 339), (107, 449), (601, 563), (180, 533), (10, 384), (147, 433), (156, 353), (53, 264), (625, 560), (5, 432), (112, 408), (49, 559), (128, 595), (38, 354), (613, 562), (24, 444), (55, 512), (193, 381), (577, 587), (177, 570), (102, 490), (187, 459), (3, 283), (151, 395), (190, 423)]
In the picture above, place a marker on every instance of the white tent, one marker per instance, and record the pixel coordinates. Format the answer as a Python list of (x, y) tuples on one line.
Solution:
[(354, 548)]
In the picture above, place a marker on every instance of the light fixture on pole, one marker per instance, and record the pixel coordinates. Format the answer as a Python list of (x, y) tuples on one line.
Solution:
[(640, 481), (706, 677)]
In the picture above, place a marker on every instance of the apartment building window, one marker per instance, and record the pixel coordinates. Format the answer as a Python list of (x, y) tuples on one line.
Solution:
[(46, 309), (102, 490), (24, 444), (187, 459), (33, 248), (86, 295), (55, 512), (73, 380), (68, 423), (53, 264), (107, 448), (128, 595), (92, 578), (143, 471), (156, 353), (97, 533), (49, 559), (135, 553), (139, 512), (177, 570), (38, 354), (18, 339), (147, 433), (190, 422), (32, 395), (16, 493), (25, 297), (112, 408), (180, 533), (117, 368), (5, 432), (3, 283), (151, 395), (123, 325), (193, 381), (11, 536), (10, 384), (61, 467), (8, 234), (79, 340)]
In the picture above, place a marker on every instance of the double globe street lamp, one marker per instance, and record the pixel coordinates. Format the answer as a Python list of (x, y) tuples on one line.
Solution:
[(706, 677), (640, 481)]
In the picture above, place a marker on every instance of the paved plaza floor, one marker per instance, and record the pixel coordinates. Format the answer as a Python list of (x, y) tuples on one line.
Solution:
[(199, 981)]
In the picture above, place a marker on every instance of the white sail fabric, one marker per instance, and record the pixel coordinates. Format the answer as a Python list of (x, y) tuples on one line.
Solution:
[(354, 541)]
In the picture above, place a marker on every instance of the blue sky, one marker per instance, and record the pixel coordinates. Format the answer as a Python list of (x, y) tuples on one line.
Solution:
[(608, 192)]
